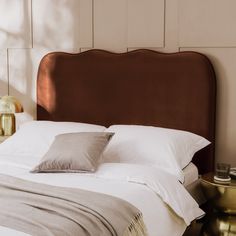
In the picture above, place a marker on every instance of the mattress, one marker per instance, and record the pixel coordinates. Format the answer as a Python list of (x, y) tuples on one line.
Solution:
[(190, 174), (192, 183)]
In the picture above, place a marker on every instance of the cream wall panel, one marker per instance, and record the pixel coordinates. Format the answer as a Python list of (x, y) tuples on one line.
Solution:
[(171, 26), (15, 24), (128, 23), (86, 23), (110, 24), (149, 48), (56, 24), (84, 49), (207, 23), (3, 73), (23, 75), (145, 23), (224, 63)]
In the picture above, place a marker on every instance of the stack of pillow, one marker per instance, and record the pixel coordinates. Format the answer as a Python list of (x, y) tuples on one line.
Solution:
[(80, 147)]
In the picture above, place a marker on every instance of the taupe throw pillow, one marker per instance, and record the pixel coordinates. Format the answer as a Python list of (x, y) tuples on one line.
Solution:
[(74, 152)]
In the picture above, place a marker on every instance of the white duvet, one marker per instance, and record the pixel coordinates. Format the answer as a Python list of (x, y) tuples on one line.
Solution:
[(166, 206)]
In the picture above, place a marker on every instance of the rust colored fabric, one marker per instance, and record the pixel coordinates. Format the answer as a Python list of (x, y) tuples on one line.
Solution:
[(145, 87)]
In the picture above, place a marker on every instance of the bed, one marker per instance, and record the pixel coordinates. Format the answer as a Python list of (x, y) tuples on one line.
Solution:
[(143, 87)]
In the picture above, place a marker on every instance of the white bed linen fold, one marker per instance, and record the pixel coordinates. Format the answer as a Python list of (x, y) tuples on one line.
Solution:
[(190, 174), (143, 187), (165, 185)]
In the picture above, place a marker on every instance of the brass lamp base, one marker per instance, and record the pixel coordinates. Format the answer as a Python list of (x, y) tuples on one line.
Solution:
[(8, 124)]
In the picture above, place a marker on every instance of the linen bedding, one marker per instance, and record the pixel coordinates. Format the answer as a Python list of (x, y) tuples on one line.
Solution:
[(166, 206), (42, 210)]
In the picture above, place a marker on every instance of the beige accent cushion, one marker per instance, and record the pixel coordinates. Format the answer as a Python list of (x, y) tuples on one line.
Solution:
[(74, 152)]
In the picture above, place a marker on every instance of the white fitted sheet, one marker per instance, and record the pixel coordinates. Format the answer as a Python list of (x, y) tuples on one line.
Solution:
[(190, 174), (158, 218)]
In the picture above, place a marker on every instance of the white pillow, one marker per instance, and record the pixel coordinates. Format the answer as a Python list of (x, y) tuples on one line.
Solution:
[(168, 149), (35, 137)]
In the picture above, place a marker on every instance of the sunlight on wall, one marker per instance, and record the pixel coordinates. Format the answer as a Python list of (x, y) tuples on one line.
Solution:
[(3, 72), (27, 67), (15, 30), (56, 24)]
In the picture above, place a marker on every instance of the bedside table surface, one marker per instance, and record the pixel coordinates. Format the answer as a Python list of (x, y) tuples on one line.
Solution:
[(209, 178)]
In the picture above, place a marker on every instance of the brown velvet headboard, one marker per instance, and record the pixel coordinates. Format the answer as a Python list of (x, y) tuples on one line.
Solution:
[(145, 87)]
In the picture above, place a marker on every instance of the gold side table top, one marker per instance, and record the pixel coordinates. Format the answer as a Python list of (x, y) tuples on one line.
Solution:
[(222, 196), (209, 178)]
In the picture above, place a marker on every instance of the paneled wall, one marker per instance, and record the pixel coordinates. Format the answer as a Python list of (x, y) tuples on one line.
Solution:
[(31, 28)]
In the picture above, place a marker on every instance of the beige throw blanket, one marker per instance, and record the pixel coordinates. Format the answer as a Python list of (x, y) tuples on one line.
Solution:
[(40, 209)]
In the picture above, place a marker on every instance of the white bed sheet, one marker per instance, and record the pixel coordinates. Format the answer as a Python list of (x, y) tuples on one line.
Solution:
[(190, 174), (159, 219)]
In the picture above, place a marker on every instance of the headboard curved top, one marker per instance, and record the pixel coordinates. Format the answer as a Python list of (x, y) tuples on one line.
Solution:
[(175, 90)]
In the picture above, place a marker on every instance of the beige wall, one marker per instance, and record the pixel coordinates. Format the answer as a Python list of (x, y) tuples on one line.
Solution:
[(31, 28)]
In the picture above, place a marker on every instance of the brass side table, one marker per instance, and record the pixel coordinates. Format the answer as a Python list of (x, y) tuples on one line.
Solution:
[(219, 224), (213, 224), (222, 196)]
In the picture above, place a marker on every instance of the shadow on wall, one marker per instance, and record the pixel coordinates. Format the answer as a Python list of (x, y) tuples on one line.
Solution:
[(15, 26), (20, 117), (16, 37), (53, 27), (56, 26)]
